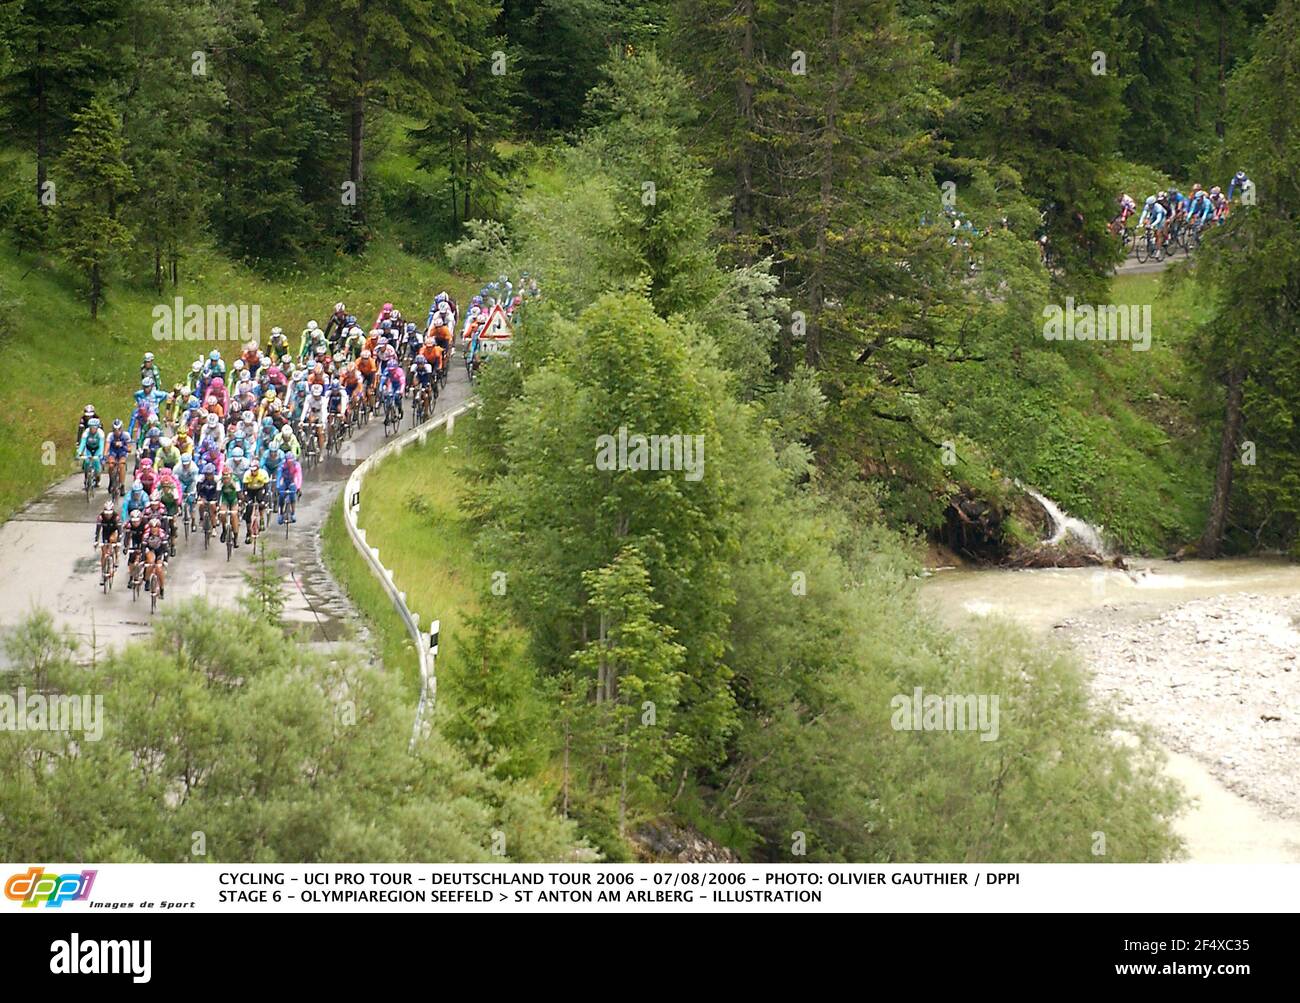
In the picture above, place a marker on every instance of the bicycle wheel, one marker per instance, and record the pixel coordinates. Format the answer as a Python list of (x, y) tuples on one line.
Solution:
[(1143, 249)]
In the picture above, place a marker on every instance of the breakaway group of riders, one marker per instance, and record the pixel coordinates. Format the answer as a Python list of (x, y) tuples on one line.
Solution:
[(1172, 219), (227, 445)]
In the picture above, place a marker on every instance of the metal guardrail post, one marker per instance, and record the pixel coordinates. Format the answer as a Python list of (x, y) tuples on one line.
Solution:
[(351, 509)]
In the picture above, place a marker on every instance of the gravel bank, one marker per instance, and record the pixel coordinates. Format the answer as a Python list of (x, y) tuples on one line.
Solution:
[(1216, 678)]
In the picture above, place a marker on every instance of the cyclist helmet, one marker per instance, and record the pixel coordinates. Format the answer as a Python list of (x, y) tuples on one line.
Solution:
[(196, 366), (93, 423), (365, 353), (311, 325), (137, 514), (137, 485), (338, 308), (214, 355), (108, 508), (209, 469), (1216, 190), (387, 325), (1197, 188), (350, 320), (388, 308), (117, 424), (316, 389), (1151, 200), (165, 442), (147, 382)]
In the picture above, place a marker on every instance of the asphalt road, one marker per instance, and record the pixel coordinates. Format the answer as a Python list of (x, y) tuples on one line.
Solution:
[(48, 557)]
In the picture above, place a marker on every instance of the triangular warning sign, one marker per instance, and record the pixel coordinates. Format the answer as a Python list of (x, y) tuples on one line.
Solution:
[(494, 334)]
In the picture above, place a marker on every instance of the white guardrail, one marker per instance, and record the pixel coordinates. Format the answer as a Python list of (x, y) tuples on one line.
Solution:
[(352, 508)]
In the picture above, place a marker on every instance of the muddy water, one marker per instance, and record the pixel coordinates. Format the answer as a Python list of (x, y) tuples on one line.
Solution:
[(1222, 826)]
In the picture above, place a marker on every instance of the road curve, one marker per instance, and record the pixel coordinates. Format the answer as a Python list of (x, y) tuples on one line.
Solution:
[(48, 557)]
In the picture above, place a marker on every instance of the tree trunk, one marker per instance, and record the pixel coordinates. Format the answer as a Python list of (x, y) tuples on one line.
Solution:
[(1212, 538), (157, 269), (96, 290), (817, 279), (356, 136), (42, 113), (1223, 86), (743, 210), (622, 782), (469, 131), (451, 160)]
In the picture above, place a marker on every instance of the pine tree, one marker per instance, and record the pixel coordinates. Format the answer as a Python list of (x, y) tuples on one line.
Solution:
[(635, 664), (1250, 345), (1038, 90), (62, 52), (96, 182)]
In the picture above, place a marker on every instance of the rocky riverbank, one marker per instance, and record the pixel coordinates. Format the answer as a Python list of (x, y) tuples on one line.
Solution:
[(1215, 677)]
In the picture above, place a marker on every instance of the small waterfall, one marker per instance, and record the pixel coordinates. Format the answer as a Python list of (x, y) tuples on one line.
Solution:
[(1064, 525)]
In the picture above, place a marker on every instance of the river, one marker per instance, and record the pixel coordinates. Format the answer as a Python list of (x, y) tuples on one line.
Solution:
[(1204, 653)]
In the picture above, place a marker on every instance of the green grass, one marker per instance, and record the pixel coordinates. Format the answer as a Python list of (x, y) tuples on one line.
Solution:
[(1110, 433), (414, 518), (68, 360)]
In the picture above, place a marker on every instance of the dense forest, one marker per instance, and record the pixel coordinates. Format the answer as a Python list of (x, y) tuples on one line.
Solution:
[(740, 213)]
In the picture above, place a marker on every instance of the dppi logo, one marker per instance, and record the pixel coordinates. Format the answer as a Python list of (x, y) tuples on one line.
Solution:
[(35, 887)]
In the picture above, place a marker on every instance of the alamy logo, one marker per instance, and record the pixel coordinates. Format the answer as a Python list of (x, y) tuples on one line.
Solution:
[(75, 956), (60, 712), (178, 321), (1101, 323), (651, 452), (950, 712)]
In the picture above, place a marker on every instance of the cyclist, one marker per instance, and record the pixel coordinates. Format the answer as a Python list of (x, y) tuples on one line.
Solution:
[(313, 415), (168, 456), (369, 371), (1200, 208), (91, 447), (337, 324), (188, 476), (209, 492), (356, 340), (119, 445), (309, 334), (1220, 204), (288, 442), (133, 538), (422, 380), (336, 403), (154, 544), (135, 499), (108, 525), (228, 505), (215, 367), (1239, 180), (255, 482), (288, 485), (1154, 216), (150, 368), (194, 381), (1126, 209), (146, 475), (169, 499), (394, 382), (238, 463)]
